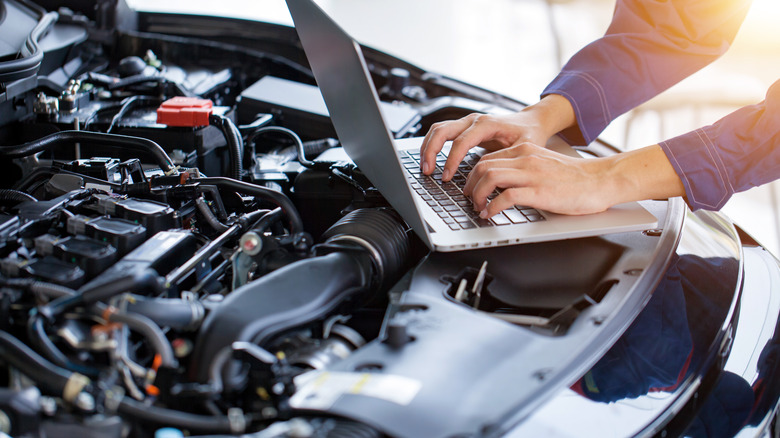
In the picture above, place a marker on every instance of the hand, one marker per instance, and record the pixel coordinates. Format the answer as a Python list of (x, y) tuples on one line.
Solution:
[(535, 124), (537, 177)]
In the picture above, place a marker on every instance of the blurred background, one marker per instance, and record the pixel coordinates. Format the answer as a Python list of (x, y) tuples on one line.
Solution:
[(515, 47)]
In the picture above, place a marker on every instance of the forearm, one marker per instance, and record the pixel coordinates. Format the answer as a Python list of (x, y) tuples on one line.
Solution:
[(648, 47), (554, 112), (640, 174)]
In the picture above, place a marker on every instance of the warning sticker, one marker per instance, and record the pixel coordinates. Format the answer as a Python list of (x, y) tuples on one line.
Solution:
[(321, 389)]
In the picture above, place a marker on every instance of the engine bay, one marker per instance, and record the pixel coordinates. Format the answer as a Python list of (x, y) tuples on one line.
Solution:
[(181, 247)]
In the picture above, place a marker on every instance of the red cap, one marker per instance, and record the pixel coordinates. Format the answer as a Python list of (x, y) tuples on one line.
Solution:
[(184, 111)]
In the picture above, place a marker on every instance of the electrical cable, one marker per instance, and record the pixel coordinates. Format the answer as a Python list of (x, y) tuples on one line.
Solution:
[(127, 104), (111, 140)]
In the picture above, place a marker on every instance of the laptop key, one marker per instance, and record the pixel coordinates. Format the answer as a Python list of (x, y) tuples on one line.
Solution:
[(535, 217), (515, 216), (467, 225), (500, 219), (483, 222)]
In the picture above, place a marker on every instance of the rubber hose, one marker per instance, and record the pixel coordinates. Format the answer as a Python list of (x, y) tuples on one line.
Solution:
[(112, 140), (264, 222), (40, 340), (51, 379), (233, 138), (278, 198), (32, 56), (151, 332), (168, 417), (16, 195), (134, 80), (211, 219), (175, 313)]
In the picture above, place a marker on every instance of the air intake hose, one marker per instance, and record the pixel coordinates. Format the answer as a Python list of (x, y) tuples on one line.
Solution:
[(372, 247)]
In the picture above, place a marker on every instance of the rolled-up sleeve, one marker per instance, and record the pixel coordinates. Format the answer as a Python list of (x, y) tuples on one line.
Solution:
[(649, 46), (738, 152)]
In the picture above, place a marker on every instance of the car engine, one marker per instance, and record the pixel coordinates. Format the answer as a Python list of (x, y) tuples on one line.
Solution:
[(180, 235)]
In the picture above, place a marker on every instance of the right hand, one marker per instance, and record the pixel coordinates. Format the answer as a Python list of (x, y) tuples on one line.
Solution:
[(534, 124)]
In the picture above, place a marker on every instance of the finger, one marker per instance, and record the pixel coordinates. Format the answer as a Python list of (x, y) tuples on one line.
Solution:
[(435, 138), (474, 135), (515, 151), (496, 178), (498, 158), (508, 199), (483, 166)]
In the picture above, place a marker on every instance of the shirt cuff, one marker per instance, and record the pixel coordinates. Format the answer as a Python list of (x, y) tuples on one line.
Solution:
[(700, 168), (589, 101)]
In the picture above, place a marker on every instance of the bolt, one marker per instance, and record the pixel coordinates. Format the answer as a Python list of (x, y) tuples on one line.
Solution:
[(633, 272), (85, 401), (251, 243), (48, 405)]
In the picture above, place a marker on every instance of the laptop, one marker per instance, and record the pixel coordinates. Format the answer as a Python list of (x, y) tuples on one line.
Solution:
[(349, 93)]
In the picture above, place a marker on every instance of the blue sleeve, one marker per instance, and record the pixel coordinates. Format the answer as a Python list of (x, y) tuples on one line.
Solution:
[(649, 46), (739, 151)]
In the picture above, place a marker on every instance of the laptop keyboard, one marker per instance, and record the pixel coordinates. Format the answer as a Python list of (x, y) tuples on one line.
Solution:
[(449, 202)]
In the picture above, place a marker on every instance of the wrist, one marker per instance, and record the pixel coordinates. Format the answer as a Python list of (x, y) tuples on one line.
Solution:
[(640, 174), (554, 114)]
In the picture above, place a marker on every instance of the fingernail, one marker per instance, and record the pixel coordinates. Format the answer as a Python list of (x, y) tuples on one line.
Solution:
[(483, 214), (445, 175), (425, 167)]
